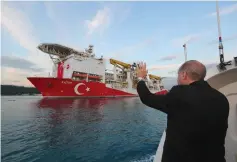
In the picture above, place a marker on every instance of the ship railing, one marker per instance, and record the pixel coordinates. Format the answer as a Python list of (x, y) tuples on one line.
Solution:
[(116, 86), (119, 85), (80, 57)]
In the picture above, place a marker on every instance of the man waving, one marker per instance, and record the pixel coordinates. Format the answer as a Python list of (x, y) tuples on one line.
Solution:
[(197, 115)]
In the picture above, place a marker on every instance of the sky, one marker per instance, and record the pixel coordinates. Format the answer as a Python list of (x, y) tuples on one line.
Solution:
[(153, 32)]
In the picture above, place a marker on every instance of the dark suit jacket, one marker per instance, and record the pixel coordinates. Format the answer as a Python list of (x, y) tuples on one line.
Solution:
[(197, 117)]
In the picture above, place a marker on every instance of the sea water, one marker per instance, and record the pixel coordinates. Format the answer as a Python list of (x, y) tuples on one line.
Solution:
[(79, 130)]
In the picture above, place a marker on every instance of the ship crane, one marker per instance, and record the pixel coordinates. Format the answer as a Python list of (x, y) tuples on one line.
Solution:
[(124, 76), (154, 77), (120, 64)]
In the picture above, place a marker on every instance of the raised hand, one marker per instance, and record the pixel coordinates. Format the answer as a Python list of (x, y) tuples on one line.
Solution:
[(141, 70)]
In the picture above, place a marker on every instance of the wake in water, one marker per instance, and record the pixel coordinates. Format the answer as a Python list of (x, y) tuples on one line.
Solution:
[(148, 158)]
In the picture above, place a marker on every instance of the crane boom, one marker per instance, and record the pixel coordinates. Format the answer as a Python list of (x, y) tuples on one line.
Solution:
[(128, 66), (154, 77), (116, 62)]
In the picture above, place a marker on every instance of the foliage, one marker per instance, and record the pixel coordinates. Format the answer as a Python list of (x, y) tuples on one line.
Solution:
[(18, 90)]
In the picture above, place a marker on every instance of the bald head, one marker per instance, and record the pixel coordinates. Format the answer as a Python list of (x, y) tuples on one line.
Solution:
[(194, 70)]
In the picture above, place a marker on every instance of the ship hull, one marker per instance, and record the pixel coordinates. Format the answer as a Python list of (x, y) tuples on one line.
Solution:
[(58, 87)]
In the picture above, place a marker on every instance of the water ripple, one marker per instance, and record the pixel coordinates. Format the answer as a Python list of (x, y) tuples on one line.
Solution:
[(70, 130)]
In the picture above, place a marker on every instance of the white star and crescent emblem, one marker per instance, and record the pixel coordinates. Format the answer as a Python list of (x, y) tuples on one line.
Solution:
[(77, 86)]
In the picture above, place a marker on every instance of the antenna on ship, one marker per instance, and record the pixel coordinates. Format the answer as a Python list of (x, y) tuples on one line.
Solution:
[(185, 52), (221, 51)]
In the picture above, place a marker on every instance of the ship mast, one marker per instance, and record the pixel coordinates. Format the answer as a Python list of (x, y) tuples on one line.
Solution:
[(221, 51)]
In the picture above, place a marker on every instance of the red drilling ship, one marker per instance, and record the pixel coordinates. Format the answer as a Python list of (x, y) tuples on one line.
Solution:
[(82, 74)]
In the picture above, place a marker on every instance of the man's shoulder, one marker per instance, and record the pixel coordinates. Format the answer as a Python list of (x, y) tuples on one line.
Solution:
[(178, 88), (182, 91), (220, 96), (177, 91)]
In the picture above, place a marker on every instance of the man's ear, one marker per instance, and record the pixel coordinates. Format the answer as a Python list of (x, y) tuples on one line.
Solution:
[(182, 75), (185, 75)]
